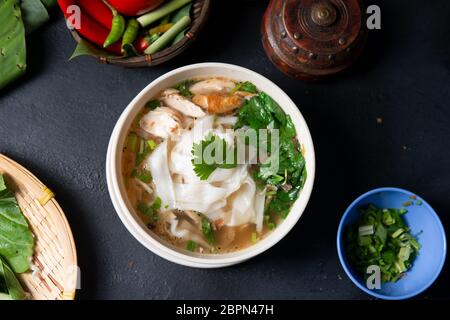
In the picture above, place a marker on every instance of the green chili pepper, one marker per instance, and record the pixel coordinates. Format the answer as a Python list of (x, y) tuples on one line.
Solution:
[(117, 27), (131, 32)]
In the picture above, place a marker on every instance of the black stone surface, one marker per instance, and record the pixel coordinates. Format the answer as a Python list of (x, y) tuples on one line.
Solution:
[(57, 120)]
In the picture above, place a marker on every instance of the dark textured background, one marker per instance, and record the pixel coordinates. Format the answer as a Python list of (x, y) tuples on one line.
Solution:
[(57, 121)]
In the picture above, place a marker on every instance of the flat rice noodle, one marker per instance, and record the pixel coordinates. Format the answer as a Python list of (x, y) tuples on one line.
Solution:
[(260, 199), (180, 159), (202, 207), (228, 194), (242, 204), (201, 128), (227, 120), (201, 192), (157, 164), (220, 175)]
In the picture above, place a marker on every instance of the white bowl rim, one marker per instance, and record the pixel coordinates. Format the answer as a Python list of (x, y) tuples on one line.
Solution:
[(220, 260)]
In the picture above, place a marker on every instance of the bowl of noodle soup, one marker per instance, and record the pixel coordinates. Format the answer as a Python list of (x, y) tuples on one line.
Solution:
[(210, 165)]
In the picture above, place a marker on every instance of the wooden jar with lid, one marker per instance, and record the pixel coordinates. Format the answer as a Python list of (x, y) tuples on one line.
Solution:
[(313, 39)]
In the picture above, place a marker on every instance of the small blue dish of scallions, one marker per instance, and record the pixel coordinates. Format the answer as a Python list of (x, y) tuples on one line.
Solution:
[(391, 244)]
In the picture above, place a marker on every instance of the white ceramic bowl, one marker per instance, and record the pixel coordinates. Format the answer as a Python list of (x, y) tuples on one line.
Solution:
[(116, 186)]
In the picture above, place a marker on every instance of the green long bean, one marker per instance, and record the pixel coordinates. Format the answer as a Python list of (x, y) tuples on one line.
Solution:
[(157, 14), (169, 35)]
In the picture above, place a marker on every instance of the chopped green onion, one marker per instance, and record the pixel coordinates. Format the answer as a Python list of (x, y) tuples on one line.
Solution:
[(387, 218), (271, 225), (404, 253), (365, 230), (191, 245), (132, 141), (415, 244), (144, 209), (381, 237), (142, 175), (254, 237), (144, 150), (157, 204), (364, 241), (207, 230), (150, 210), (183, 88), (398, 232), (152, 144), (400, 266), (153, 104)]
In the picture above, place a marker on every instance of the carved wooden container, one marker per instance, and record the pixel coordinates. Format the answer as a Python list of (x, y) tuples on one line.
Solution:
[(313, 39)]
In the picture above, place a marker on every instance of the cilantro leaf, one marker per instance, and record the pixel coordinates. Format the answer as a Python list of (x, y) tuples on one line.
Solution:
[(262, 112), (246, 86), (203, 168)]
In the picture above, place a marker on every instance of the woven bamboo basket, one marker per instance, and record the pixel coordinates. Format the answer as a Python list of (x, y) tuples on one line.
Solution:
[(200, 12), (54, 275)]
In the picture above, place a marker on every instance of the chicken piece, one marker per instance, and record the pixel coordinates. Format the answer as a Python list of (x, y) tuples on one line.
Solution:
[(217, 103), (162, 122), (215, 85), (174, 100)]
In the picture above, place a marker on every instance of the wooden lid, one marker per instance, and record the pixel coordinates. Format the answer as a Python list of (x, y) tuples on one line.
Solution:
[(312, 39)]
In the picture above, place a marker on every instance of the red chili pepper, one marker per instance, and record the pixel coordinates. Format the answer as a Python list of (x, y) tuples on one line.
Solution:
[(97, 10), (141, 44), (89, 28)]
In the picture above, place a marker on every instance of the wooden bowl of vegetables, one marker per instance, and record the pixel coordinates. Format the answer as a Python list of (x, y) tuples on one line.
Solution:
[(106, 30)]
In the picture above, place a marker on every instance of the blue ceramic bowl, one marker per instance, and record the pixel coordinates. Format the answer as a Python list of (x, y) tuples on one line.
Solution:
[(422, 220)]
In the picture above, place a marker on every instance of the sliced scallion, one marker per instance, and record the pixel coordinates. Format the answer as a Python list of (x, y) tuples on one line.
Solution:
[(254, 237), (191, 245), (365, 230), (398, 232)]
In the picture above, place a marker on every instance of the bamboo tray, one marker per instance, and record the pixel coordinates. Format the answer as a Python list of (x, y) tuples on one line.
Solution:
[(55, 272), (200, 11)]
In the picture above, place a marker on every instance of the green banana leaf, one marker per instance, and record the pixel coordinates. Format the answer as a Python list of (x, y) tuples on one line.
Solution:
[(12, 42), (84, 48), (34, 14), (10, 287), (16, 239)]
